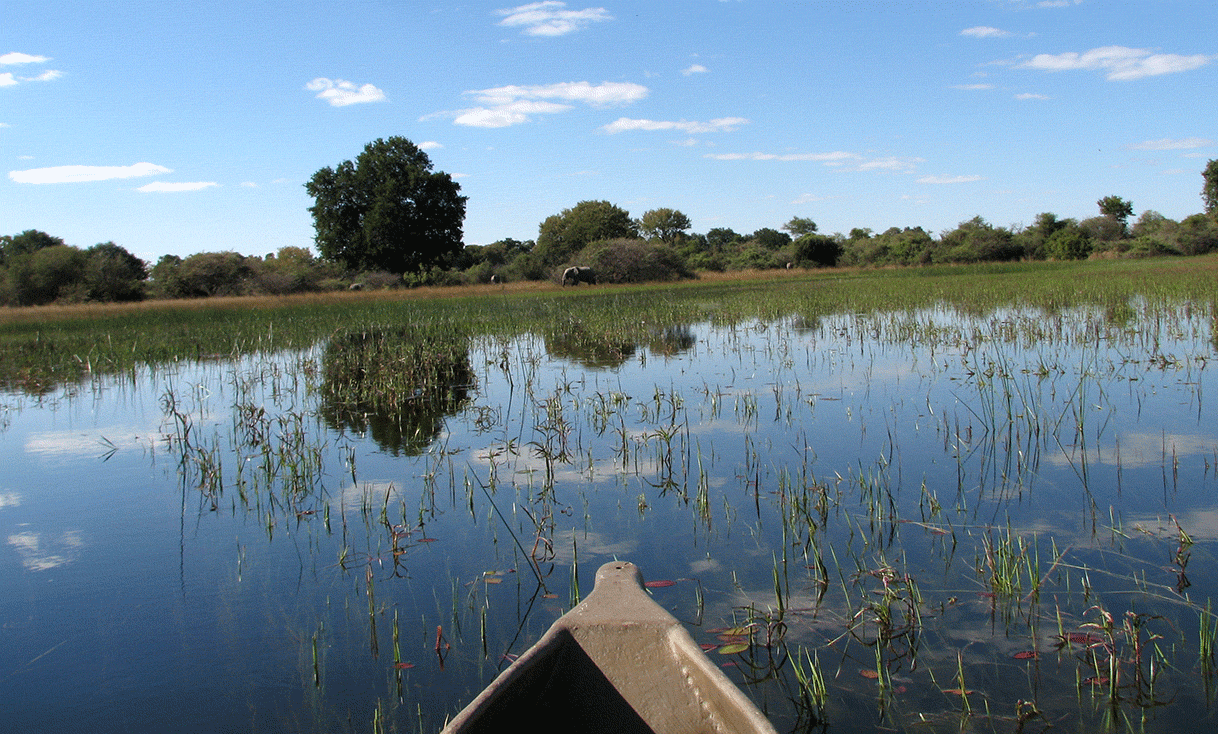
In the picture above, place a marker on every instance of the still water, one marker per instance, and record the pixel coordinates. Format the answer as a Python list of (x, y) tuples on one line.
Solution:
[(1002, 522)]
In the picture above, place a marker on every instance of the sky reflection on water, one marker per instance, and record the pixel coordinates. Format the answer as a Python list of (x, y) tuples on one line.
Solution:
[(205, 533)]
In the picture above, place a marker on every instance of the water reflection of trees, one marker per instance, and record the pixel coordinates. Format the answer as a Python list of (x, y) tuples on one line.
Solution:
[(395, 383), (601, 350)]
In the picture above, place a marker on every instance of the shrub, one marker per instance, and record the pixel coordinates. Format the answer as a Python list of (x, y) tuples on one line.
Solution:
[(817, 250), (1104, 229), (48, 274), (753, 256), (1070, 243), (212, 274), (977, 241), (1197, 235), (633, 261)]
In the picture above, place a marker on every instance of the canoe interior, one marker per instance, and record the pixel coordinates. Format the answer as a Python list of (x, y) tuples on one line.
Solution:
[(617, 662)]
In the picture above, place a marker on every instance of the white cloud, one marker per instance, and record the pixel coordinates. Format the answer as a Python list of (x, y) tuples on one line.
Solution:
[(970, 87), (9, 79), (841, 160), (984, 31), (603, 94), (20, 58), (515, 105), (79, 174), (46, 76), (340, 93), (1029, 95), (694, 69), (948, 179), (1170, 144), (1120, 62), (157, 187), (551, 18), (891, 163), (248, 185), (516, 113), (808, 199), (718, 125), (429, 145), (829, 159)]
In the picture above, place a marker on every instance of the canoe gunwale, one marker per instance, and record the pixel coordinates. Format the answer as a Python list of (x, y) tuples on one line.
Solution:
[(616, 662)]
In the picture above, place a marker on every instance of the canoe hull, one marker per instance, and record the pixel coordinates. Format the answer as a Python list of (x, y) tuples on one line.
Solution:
[(617, 662)]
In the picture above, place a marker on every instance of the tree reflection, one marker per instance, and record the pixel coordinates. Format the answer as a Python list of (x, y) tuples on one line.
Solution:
[(607, 350), (396, 383)]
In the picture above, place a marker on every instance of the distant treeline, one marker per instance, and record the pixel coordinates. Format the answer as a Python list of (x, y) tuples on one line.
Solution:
[(37, 268)]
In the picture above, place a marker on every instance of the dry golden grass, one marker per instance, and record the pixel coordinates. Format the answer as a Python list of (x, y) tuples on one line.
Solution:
[(62, 312), (1144, 269)]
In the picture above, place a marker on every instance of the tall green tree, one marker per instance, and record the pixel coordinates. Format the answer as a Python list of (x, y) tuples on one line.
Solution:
[(800, 226), (1114, 207), (562, 235), (387, 210), (665, 225), (1209, 192), (48, 274), (771, 239), (28, 242), (114, 274), (721, 237)]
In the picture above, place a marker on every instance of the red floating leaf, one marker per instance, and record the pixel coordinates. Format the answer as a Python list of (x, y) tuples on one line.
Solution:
[(427, 540), (1084, 638), (707, 646), (959, 692), (1096, 681), (1026, 655), (659, 584), (403, 666), (549, 596), (869, 673)]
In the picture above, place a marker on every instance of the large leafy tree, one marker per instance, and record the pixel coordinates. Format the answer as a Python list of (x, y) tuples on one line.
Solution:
[(114, 274), (562, 235), (1117, 209), (387, 210), (665, 225), (1209, 192), (800, 226), (29, 241)]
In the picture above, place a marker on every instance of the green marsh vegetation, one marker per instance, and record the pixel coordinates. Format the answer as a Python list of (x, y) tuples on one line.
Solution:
[(45, 346), (971, 497)]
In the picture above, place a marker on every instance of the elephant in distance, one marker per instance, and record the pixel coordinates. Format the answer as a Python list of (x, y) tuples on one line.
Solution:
[(578, 274)]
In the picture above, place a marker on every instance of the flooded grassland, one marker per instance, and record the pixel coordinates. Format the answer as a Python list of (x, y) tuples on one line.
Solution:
[(981, 500)]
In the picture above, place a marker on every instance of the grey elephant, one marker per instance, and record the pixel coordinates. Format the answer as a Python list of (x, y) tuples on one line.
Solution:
[(578, 274)]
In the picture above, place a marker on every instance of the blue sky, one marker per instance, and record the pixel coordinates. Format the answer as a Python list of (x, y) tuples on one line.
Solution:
[(171, 127)]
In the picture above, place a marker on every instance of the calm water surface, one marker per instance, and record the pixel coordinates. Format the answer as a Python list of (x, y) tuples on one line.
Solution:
[(992, 521)]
